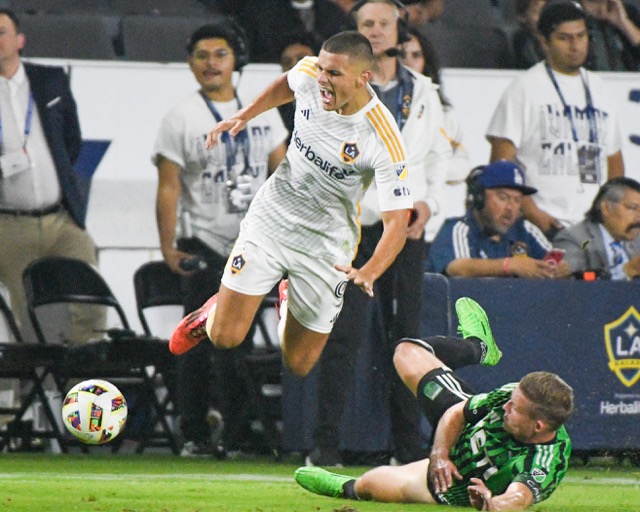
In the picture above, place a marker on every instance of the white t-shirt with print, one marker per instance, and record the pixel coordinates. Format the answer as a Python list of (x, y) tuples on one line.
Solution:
[(215, 196), (531, 115)]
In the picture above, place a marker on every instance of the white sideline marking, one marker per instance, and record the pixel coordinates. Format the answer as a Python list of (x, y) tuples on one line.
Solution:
[(242, 477), (138, 476)]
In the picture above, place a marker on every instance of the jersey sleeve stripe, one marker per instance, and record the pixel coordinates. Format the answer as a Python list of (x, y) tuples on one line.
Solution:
[(309, 66), (392, 134), (390, 139)]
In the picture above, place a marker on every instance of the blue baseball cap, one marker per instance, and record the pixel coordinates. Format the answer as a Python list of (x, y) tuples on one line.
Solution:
[(504, 174)]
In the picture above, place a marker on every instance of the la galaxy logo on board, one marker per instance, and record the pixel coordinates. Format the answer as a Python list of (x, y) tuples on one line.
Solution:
[(622, 340), (237, 264), (349, 152)]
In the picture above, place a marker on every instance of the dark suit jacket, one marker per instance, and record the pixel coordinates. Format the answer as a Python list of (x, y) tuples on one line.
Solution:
[(59, 118), (585, 249)]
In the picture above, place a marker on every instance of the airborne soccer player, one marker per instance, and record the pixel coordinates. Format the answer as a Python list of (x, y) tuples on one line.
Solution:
[(502, 450), (303, 221)]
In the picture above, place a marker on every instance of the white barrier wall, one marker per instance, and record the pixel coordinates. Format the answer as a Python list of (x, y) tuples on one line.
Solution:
[(124, 102)]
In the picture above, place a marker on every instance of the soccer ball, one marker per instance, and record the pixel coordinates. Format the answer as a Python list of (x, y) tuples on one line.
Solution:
[(94, 411)]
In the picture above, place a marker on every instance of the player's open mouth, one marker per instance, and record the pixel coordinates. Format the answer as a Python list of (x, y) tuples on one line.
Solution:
[(326, 95)]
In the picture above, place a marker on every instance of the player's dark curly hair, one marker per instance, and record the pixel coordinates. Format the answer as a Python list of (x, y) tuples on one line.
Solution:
[(551, 397)]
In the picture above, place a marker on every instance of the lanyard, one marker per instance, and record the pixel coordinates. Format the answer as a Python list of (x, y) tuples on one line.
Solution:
[(242, 139), (27, 123), (404, 105), (591, 114)]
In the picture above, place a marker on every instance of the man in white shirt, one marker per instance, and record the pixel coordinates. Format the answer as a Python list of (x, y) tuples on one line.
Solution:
[(210, 192), (43, 200), (558, 122)]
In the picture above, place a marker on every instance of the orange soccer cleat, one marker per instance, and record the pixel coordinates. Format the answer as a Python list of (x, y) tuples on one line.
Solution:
[(192, 328)]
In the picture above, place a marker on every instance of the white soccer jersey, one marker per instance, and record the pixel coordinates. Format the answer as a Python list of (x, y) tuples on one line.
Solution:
[(530, 114), (310, 204)]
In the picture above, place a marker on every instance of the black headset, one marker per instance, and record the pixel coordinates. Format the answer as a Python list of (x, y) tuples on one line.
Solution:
[(475, 189), (233, 33), (403, 18)]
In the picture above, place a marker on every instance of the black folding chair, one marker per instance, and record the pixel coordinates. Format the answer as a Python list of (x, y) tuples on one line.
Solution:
[(157, 289), (156, 286), (123, 358), (30, 363)]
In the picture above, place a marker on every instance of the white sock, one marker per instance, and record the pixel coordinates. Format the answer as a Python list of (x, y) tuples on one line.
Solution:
[(212, 315), (284, 307)]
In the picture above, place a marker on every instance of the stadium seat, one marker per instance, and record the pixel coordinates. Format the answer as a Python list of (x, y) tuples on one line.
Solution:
[(436, 298), (159, 38), (67, 37), (192, 8), (474, 13), (469, 47), (31, 364), (158, 292), (123, 358)]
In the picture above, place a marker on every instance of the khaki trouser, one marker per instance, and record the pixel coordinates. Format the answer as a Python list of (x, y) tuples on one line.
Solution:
[(25, 239)]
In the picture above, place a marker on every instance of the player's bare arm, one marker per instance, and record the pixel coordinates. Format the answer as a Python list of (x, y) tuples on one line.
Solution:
[(517, 497), (391, 243), (276, 94), (441, 469)]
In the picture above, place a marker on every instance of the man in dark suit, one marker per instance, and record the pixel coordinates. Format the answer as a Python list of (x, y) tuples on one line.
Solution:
[(42, 202), (607, 241)]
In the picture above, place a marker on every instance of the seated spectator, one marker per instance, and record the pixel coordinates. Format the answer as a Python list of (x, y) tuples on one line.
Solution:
[(527, 47), (420, 55), (606, 241), (493, 239), (614, 32)]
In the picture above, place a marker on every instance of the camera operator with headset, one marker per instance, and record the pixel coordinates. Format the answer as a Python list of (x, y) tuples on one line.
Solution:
[(202, 198), (493, 239)]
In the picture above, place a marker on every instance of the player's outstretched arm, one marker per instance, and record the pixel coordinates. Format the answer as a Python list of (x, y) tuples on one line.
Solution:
[(517, 497), (276, 94), (441, 469), (389, 245)]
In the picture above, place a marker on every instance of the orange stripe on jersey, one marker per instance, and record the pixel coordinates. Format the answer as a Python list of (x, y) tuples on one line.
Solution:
[(309, 67), (384, 129)]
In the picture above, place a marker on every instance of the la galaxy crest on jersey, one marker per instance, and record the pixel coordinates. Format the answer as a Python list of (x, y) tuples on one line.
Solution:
[(349, 152)]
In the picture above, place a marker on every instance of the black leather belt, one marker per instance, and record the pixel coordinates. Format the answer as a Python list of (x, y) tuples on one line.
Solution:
[(39, 212)]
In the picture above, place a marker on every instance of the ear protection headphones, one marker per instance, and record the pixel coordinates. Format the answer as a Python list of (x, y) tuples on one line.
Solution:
[(475, 189), (403, 18), (228, 30)]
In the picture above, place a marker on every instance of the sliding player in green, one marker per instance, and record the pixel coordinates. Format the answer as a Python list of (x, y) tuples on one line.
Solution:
[(503, 450)]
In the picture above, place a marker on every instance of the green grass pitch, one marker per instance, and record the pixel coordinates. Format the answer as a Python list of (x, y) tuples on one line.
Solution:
[(163, 483)]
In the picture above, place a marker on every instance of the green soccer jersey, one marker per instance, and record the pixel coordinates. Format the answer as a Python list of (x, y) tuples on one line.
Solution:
[(485, 450)]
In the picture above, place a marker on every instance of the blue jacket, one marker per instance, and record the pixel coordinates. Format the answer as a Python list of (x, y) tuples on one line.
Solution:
[(462, 237), (59, 118)]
